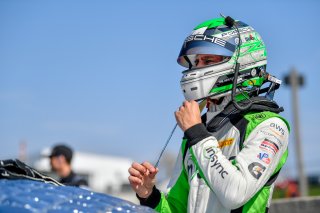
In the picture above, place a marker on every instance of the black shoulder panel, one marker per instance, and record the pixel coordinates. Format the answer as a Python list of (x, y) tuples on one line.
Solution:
[(230, 113), (236, 117)]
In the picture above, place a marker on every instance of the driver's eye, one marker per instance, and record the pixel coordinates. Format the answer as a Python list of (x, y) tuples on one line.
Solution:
[(209, 61)]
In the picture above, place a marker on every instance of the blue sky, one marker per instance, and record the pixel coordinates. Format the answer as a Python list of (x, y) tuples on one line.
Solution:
[(102, 75)]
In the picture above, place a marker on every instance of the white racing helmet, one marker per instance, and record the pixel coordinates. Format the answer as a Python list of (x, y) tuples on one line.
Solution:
[(214, 37)]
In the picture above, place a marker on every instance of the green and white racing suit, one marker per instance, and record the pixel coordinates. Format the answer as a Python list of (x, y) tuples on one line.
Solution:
[(228, 163)]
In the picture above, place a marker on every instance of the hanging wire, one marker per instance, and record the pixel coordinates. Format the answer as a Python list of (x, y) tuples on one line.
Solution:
[(166, 144)]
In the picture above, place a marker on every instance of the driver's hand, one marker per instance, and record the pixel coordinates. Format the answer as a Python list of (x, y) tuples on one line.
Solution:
[(188, 115), (142, 178)]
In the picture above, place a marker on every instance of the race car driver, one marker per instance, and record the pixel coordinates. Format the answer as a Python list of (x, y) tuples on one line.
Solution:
[(229, 157)]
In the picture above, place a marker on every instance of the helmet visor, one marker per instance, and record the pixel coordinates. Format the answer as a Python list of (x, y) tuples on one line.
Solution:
[(204, 45)]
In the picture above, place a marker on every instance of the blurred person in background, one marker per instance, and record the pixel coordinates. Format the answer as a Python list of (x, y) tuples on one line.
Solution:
[(60, 161)]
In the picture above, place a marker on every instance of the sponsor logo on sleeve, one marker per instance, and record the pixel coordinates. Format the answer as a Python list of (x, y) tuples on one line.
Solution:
[(256, 169), (278, 128), (264, 157), (269, 146), (270, 133), (190, 167), (227, 142), (210, 153)]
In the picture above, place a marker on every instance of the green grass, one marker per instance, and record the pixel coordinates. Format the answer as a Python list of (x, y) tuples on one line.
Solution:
[(278, 193), (314, 190)]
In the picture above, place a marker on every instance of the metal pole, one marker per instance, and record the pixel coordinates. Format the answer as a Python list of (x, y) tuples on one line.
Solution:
[(294, 81)]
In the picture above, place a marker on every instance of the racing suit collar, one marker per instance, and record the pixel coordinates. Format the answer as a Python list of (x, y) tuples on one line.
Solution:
[(215, 109)]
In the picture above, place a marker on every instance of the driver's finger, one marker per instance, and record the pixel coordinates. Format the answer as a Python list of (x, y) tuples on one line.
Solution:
[(139, 167), (134, 172), (134, 180), (149, 166)]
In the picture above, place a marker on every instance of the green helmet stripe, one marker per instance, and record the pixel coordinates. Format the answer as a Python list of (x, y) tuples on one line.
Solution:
[(211, 23), (256, 81)]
